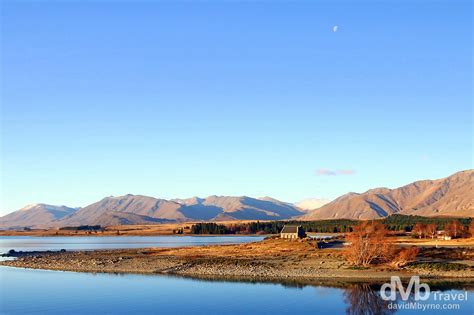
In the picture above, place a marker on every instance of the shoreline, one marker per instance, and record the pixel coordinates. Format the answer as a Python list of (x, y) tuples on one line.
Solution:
[(268, 260)]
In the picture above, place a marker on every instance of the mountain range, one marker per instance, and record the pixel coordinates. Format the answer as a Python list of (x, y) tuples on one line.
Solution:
[(137, 209), (450, 196)]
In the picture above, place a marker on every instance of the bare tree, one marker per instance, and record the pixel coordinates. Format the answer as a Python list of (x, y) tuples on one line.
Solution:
[(419, 230), (454, 229), (431, 230), (368, 244)]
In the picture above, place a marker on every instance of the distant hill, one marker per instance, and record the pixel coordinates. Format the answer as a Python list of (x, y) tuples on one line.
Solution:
[(137, 209), (131, 204), (35, 215), (312, 203), (237, 208), (450, 196), (125, 218)]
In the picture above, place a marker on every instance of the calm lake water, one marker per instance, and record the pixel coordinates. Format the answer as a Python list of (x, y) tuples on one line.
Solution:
[(30, 243), (26, 291)]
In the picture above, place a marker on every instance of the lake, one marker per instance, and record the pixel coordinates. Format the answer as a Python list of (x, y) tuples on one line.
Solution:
[(30, 243), (24, 291), (27, 291)]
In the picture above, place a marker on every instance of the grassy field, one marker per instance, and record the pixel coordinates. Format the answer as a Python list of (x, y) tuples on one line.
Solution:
[(426, 242)]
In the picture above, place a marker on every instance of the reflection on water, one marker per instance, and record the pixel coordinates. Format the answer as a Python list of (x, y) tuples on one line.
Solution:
[(365, 299), (24, 291)]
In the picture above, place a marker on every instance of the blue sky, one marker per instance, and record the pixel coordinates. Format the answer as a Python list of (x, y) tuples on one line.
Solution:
[(183, 98)]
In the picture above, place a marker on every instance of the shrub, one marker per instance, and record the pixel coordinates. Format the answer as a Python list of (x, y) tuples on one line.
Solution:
[(441, 266), (404, 257)]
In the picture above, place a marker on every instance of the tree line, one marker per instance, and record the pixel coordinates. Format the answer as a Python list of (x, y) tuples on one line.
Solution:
[(82, 228), (398, 222), (392, 223), (453, 229)]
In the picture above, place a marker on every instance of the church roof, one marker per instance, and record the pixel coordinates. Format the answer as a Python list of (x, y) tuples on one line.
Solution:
[(290, 229)]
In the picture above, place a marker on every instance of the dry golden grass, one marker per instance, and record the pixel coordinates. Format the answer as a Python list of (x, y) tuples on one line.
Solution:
[(269, 248), (458, 242)]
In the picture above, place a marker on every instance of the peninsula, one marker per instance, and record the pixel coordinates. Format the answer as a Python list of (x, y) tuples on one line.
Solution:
[(270, 259)]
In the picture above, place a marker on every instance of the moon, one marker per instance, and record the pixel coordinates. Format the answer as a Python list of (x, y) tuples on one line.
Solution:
[(334, 28)]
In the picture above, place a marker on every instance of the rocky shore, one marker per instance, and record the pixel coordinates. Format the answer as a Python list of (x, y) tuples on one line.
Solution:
[(270, 259)]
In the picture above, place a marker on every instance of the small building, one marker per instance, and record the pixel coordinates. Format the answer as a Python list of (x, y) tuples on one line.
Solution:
[(292, 232), (443, 236)]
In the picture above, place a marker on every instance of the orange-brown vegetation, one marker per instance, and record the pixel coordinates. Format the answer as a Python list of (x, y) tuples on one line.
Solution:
[(454, 229), (368, 244), (419, 230), (404, 256), (431, 230), (422, 230)]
